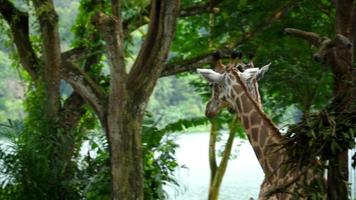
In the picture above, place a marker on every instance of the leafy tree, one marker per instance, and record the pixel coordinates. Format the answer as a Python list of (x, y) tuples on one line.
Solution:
[(120, 106)]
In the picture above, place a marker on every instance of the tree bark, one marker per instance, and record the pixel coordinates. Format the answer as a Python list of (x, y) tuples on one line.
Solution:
[(129, 93), (338, 53), (212, 150), (126, 156), (218, 171), (19, 24), (343, 98), (48, 20)]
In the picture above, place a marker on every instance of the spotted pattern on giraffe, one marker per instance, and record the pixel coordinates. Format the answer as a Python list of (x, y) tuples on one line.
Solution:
[(263, 135)]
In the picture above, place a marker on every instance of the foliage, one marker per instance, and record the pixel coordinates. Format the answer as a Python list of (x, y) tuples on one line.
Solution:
[(294, 78), (174, 99), (159, 162), (11, 90), (28, 162), (320, 137)]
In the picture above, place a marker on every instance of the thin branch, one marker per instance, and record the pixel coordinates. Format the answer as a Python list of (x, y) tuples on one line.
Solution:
[(116, 12), (84, 86), (19, 24), (324, 48), (199, 8), (325, 44), (311, 37), (116, 8), (276, 15), (74, 54), (136, 21), (226, 155), (202, 60), (140, 19), (212, 150), (187, 65), (79, 80)]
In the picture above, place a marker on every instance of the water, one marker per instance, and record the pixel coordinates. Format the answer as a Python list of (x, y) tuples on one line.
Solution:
[(242, 178)]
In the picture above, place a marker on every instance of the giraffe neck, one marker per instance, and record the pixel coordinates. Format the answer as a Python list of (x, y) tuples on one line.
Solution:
[(262, 133)]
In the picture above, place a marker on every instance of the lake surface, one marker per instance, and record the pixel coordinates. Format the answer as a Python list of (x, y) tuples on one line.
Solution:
[(242, 178)]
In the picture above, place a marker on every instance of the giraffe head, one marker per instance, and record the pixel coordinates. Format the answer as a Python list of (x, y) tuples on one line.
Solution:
[(225, 80)]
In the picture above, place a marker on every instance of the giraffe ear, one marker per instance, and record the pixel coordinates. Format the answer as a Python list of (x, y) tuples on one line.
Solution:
[(210, 75), (262, 71)]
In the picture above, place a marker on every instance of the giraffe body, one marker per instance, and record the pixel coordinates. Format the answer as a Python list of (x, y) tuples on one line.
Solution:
[(240, 91)]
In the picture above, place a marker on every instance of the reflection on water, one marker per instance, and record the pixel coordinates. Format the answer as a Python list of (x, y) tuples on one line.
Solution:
[(242, 178)]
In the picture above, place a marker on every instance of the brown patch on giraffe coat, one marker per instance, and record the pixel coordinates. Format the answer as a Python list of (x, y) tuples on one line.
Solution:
[(264, 134), (255, 118), (258, 153), (255, 132), (274, 161), (237, 88), (246, 122), (246, 104)]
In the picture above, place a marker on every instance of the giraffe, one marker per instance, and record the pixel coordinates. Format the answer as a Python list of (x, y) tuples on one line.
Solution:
[(239, 91)]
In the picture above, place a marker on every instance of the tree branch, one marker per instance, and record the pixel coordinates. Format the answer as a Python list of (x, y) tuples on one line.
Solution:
[(325, 44), (202, 60), (199, 8), (84, 86), (220, 172), (18, 22), (79, 80), (187, 65), (116, 12), (136, 21), (110, 27), (153, 53), (212, 150), (72, 111), (311, 37)]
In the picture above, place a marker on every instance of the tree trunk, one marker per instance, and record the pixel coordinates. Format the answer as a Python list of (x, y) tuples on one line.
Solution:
[(48, 20), (218, 172), (337, 175), (125, 156), (130, 92), (212, 150), (343, 98)]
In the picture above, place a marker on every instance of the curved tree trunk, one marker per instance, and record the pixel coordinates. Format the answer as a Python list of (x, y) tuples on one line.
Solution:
[(218, 172)]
